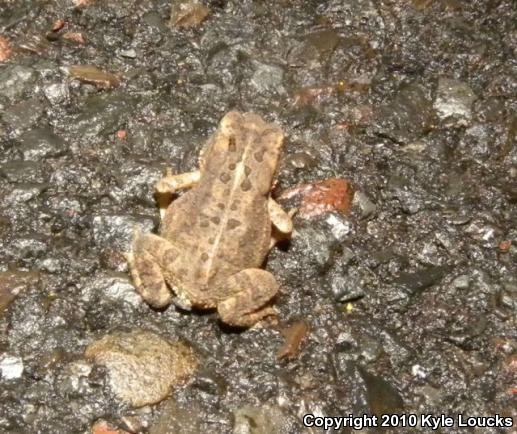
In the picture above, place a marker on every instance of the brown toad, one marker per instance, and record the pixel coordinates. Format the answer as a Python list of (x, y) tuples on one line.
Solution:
[(214, 238)]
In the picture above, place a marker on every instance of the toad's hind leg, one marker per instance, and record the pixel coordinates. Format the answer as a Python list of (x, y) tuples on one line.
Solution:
[(148, 255), (245, 296)]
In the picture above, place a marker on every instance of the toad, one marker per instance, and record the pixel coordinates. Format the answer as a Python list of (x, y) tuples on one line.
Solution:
[(214, 238)]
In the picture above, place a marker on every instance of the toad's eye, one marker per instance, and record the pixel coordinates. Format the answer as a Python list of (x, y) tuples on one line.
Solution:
[(232, 147)]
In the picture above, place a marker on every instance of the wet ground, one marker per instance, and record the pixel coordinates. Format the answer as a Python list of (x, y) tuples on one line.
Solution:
[(404, 303)]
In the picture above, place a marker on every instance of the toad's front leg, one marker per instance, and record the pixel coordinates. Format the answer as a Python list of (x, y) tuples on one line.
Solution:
[(170, 184), (281, 220), (149, 257), (245, 297)]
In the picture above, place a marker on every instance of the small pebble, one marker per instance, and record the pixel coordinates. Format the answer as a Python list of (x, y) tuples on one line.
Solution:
[(461, 282), (11, 367), (142, 366)]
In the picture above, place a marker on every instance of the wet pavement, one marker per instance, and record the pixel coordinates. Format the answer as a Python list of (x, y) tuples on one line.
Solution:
[(399, 285)]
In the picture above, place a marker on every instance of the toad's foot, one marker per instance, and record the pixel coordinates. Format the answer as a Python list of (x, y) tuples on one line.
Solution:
[(246, 295), (148, 255)]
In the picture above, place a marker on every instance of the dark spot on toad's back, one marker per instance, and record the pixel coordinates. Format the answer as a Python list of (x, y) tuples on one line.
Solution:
[(233, 223), (259, 156), (232, 147), (224, 177), (246, 185)]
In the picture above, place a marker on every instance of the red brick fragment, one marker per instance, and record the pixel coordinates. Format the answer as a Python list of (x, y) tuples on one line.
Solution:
[(102, 427), (75, 37), (58, 25), (504, 246), (322, 197), (5, 49)]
